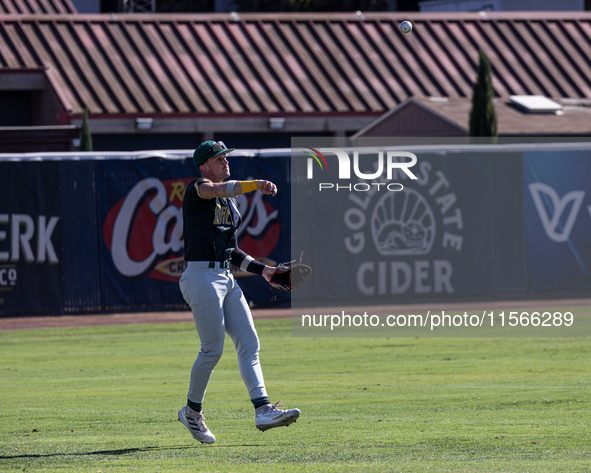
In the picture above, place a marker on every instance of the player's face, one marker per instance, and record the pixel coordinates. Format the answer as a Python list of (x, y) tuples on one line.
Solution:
[(218, 168)]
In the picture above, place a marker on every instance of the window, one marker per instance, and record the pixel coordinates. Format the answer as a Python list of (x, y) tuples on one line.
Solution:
[(15, 108)]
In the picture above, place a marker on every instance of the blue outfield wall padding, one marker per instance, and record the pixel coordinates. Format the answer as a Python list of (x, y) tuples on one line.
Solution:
[(81, 262), (31, 244), (92, 232), (557, 193), (140, 228), (103, 232)]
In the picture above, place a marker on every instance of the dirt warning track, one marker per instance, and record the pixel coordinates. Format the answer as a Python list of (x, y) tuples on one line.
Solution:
[(88, 320)]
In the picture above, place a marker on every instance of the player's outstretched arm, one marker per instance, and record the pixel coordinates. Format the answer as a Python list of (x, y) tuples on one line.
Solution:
[(209, 190), (241, 187), (267, 187)]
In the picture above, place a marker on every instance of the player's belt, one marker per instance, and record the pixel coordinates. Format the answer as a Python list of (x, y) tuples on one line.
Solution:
[(219, 264)]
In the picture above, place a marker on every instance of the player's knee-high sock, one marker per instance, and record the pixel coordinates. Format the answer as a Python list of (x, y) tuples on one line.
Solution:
[(260, 401), (196, 406)]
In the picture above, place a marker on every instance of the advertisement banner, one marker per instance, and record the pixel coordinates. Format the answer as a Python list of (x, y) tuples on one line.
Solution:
[(382, 234), (558, 209), (30, 238), (140, 214)]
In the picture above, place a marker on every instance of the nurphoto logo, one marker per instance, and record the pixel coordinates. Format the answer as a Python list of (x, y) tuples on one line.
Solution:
[(393, 162)]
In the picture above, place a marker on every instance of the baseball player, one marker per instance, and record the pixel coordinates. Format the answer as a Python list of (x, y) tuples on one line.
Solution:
[(211, 219)]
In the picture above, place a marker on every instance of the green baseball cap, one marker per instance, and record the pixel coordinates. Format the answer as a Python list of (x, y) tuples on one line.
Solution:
[(208, 150)]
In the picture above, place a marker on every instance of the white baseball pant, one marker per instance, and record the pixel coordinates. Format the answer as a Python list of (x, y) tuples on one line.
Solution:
[(219, 307)]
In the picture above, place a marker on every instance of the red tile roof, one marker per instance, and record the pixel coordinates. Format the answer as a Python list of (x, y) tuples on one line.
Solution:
[(192, 64), (36, 6)]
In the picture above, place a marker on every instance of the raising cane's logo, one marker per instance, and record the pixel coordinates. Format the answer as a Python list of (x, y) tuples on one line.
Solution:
[(144, 230)]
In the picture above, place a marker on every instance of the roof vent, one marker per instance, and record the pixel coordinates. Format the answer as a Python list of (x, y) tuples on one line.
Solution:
[(536, 103), (439, 99)]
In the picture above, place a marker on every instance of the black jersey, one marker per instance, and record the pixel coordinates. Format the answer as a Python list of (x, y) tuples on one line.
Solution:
[(209, 225)]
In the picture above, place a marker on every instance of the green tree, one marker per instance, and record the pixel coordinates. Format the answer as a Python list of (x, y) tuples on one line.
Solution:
[(483, 118), (85, 136)]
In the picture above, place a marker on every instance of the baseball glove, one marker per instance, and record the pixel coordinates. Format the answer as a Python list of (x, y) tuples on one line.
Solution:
[(289, 276)]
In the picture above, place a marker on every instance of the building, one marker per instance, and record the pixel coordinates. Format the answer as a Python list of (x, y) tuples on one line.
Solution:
[(444, 117), (169, 81)]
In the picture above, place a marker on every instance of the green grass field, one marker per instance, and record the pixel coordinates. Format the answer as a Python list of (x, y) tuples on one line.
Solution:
[(106, 399)]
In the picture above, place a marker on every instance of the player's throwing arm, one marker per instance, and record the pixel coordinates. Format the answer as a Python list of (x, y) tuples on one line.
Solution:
[(209, 190)]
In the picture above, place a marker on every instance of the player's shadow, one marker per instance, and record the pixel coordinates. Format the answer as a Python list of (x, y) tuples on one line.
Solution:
[(123, 451)]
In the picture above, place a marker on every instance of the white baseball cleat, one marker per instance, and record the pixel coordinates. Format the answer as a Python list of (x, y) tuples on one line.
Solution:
[(270, 417), (195, 423)]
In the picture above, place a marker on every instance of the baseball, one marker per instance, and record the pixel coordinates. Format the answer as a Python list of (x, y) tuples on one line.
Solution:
[(406, 27)]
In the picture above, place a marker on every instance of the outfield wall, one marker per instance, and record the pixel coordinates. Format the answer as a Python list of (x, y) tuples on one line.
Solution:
[(91, 232)]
